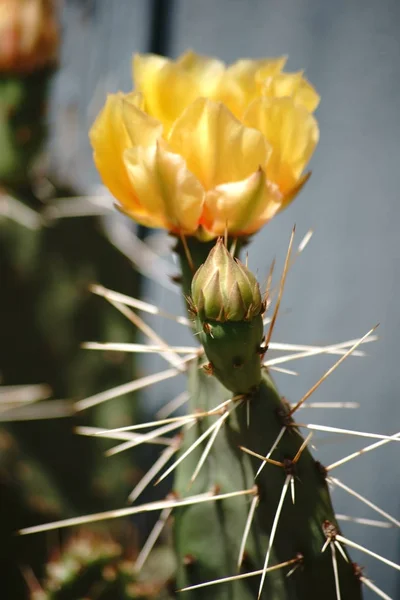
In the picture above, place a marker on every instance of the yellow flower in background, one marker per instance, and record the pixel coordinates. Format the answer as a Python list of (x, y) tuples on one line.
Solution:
[(29, 34), (199, 147)]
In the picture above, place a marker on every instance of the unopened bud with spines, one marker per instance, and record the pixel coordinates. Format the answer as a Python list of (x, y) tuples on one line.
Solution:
[(228, 308), (223, 289)]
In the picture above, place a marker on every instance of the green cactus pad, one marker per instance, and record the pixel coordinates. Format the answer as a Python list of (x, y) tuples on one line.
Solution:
[(208, 536), (233, 349)]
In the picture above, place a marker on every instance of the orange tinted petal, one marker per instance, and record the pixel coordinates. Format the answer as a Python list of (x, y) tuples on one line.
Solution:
[(170, 195), (241, 207)]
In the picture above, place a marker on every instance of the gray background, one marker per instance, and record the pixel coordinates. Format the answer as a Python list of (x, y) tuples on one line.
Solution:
[(349, 277)]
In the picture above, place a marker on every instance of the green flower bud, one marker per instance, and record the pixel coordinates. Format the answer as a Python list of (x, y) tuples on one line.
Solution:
[(228, 307), (223, 289)]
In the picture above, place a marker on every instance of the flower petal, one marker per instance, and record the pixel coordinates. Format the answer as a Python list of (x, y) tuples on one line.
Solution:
[(241, 82), (206, 71), (170, 195), (293, 85), (241, 207), (109, 138), (296, 189), (292, 132), (142, 129), (245, 70), (166, 87), (217, 147)]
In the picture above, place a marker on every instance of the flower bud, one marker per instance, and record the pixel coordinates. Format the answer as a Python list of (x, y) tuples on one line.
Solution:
[(227, 302), (223, 289), (29, 35)]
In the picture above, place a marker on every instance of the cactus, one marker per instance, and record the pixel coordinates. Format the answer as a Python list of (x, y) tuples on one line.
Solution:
[(252, 511), (46, 267), (28, 54), (91, 562), (23, 127), (253, 516), (234, 345)]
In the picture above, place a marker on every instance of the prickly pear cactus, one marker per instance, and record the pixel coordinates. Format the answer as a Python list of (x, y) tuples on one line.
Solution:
[(46, 310), (29, 47), (23, 126), (228, 309), (252, 511), (93, 562)]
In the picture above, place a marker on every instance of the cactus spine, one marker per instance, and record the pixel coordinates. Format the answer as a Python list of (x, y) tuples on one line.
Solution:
[(227, 308)]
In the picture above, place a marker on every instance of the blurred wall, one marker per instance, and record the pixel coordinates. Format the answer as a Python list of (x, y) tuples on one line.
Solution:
[(349, 277)]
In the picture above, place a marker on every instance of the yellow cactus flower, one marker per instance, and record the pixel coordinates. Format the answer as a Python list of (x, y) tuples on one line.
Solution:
[(199, 148), (29, 34)]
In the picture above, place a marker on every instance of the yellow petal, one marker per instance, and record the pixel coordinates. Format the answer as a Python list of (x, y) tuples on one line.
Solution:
[(217, 147), (241, 82), (109, 138), (142, 129), (167, 88), (293, 85), (242, 207), (292, 133), (295, 190), (170, 196), (205, 71), (246, 70)]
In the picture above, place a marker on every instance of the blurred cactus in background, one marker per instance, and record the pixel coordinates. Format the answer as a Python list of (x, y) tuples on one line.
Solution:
[(29, 47), (92, 564), (29, 35), (46, 309)]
